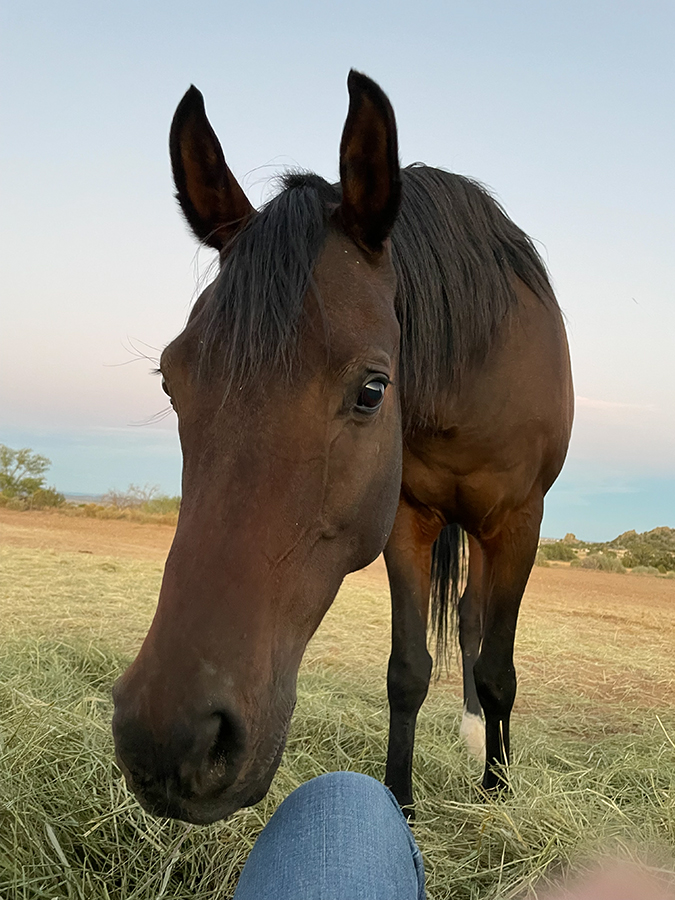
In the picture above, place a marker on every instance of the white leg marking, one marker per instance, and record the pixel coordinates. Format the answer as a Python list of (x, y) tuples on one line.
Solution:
[(472, 732)]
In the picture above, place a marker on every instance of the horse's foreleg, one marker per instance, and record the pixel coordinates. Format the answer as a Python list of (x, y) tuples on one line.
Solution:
[(508, 560), (408, 559), (472, 730)]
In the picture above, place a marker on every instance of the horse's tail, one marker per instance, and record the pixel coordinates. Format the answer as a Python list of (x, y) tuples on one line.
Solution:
[(448, 568)]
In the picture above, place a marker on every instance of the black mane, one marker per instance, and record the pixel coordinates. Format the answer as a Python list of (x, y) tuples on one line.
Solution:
[(455, 252)]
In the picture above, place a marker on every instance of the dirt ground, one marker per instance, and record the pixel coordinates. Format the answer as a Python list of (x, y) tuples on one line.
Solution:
[(643, 601), (40, 530), (612, 635), (646, 603), (43, 530), (583, 636)]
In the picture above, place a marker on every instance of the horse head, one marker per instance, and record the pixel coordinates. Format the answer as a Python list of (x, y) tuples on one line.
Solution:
[(284, 384)]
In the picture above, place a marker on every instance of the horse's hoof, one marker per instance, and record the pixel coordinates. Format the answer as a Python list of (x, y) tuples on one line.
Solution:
[(407, 805), (495, 785), (408, 811), (485, 795)]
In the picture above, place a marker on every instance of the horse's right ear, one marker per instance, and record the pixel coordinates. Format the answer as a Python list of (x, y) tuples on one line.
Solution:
[(212, 201)]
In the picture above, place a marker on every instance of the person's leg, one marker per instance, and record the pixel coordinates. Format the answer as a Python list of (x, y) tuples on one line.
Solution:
[(341, 836)]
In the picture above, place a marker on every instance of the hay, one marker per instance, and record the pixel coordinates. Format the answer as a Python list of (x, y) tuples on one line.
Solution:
[(590, 772)]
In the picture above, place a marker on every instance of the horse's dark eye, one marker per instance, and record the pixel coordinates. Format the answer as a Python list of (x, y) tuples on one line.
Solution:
[(371, 396)]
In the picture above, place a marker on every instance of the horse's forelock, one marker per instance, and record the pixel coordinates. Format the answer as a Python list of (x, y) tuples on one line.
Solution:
[(259, 294)]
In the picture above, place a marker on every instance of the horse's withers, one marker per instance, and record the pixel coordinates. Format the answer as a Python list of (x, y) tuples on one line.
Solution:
[(289, 482)]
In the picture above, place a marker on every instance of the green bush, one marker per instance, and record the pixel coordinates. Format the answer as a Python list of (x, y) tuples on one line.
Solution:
[(644, 570), (161, 505), (22, 481), (558, 550), (601, 562), (45, 498)]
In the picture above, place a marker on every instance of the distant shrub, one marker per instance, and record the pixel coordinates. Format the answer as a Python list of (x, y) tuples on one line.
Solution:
[(541, 560), (130, 514), (45, 498), (98, 511), (644, 570), (134, 496), (146, 499), (161, 505), (558, 550), (22, 480), (601, 562), (12, 502)]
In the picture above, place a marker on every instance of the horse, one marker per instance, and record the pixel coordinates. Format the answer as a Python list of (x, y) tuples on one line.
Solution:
[(379, 365)]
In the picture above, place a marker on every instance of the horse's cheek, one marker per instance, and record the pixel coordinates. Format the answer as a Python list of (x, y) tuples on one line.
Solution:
[(378, 510), (365, 481)]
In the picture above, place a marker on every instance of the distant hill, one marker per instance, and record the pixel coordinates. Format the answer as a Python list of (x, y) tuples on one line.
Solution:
[(76, 497), (651, 548)]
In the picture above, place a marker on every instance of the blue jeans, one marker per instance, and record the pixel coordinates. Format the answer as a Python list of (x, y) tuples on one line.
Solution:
[(341, 836)]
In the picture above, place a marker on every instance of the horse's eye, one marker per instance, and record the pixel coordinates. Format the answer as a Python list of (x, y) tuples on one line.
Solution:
[(371, 396)]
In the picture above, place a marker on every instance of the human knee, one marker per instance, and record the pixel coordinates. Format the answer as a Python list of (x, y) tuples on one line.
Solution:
[(339, 789), (339, 834)]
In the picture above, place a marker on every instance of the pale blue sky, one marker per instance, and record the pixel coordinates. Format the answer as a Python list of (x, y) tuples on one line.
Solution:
[(565, 109)]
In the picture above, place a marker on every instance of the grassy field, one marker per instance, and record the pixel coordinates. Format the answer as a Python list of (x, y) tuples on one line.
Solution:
[(594, 728)]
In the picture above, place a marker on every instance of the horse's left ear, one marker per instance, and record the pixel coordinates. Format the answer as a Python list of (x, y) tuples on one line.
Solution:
[(212, 201), (369, 169)]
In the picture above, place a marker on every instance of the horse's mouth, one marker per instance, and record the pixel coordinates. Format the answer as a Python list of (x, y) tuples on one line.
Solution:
[(168, 799)]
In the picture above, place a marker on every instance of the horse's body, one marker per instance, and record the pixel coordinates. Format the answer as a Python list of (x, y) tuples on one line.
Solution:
[(377, 363)]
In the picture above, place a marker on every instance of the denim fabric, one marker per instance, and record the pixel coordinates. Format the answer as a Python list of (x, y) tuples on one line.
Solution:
[(341, 836)]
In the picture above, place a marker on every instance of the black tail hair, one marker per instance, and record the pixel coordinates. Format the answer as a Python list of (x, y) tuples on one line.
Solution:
[(448, 570)]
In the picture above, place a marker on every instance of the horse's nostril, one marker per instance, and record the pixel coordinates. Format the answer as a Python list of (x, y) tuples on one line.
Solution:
[(229, 742)]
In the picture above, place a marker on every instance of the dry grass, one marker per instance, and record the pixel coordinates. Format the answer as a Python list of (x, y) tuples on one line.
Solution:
[(594, 726), (121, 513)]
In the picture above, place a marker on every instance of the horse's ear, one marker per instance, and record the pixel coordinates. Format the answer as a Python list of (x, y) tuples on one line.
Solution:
[(369, 169), (209, 195)]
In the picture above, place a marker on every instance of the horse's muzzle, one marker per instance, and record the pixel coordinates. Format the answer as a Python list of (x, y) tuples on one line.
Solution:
[(194, 769)]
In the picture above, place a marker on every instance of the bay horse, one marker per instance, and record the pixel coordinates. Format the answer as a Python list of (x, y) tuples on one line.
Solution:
[(378, 364)]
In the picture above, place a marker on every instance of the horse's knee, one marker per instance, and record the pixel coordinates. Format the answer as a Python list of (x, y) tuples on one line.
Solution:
[(408, 682), (495, 686)]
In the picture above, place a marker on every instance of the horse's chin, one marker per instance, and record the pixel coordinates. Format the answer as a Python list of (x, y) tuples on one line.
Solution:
[(165, 801), (201, 812)]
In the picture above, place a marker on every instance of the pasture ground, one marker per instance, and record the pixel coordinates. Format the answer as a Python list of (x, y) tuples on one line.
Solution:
[(593, 727)]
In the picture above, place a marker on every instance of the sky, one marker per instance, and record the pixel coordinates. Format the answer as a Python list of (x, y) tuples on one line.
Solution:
[(565, 110)]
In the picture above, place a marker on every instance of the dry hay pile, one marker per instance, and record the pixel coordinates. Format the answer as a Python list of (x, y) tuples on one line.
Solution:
[(586, 775)]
